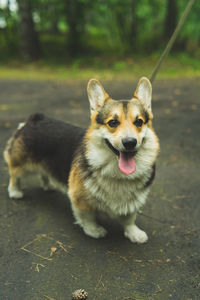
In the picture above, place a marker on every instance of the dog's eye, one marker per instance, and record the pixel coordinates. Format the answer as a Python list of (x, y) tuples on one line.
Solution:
[(138, 122), (113, 123)]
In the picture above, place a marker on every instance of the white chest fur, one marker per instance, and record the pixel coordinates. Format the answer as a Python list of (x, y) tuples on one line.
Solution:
[(110, 189), (115, 196)]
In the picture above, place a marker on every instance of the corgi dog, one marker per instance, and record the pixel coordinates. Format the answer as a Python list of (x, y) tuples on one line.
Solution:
[(107, 168)]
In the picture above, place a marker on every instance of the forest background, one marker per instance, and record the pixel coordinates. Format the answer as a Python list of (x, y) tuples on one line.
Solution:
[(111, 38)]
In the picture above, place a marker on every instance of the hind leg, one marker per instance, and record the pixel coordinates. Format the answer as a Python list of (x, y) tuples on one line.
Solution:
[(14, 189), (45, 183)]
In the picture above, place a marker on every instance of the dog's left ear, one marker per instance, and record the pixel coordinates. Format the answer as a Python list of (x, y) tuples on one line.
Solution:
[(96, 94), (144, 91)]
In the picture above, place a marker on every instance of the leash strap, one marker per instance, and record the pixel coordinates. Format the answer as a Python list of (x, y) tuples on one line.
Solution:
[(172, 39)]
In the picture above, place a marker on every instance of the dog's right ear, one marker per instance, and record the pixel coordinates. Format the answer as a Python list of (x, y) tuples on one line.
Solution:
[(96, 94), (144, 91)]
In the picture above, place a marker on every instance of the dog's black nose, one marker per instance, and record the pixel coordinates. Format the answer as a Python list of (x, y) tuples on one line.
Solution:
[(129, 143)]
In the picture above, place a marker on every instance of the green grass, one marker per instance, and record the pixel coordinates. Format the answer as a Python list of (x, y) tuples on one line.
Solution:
[(128, 68)]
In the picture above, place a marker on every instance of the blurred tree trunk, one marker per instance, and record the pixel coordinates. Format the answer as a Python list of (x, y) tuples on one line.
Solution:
[(54, 8), (7, 15), (29, 43), (54, 27), (8, 7), (75, 14), (170, 18), (126, 22), (133, 25)]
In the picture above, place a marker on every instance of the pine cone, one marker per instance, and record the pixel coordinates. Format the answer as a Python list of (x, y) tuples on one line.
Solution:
[(79, 294)]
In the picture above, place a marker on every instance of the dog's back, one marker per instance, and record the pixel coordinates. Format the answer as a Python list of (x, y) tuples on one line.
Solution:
[(45, 143)]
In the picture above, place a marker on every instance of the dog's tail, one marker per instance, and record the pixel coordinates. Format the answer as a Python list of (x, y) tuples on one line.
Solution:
[(20, 125)]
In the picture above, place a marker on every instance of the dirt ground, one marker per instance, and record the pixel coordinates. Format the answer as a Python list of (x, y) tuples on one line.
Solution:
[(45, 256)]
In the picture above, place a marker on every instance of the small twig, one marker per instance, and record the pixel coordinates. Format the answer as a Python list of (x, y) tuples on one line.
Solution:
[(53, 249), (61, 246), (175, 226), (36, 254), (100, 282), (37, 267), (33, 241), (159, 290), (112, 252), (155, 219)]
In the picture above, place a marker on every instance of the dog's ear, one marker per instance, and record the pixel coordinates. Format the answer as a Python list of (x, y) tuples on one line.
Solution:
[(144, 91), (96, 94)]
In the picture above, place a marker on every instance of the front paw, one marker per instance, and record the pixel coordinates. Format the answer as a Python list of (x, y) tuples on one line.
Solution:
[(95, 231), (135, 234)]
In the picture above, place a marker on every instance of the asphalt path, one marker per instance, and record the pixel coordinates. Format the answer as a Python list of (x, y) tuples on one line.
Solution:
[(44, 255)]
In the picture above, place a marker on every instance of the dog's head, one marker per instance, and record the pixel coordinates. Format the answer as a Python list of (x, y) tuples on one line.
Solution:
[(121, 124)]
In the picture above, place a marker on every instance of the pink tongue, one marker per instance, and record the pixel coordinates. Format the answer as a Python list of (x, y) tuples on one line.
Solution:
[(126, 164)]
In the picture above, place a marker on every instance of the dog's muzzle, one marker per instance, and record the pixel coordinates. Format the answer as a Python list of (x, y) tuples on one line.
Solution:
[(129, 143), (115, 151), (126, 161)]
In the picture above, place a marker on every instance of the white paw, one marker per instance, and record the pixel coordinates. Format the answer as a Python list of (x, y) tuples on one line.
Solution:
[(135, 234), (95, 231), (15, 193)]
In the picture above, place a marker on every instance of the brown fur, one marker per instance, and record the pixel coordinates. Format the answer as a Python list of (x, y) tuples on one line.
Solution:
[(78, 193)]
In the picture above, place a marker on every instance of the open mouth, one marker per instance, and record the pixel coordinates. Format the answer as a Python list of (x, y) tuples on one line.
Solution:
[(126, 160)]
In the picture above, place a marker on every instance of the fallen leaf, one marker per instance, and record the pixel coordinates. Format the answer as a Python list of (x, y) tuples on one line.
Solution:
[(180, 196), (3, 107), (194, 107), (175, 226), (173, 159), (175, 103), (188, 130), (155, 261), (177, 91), (53, 249), (7, 124)]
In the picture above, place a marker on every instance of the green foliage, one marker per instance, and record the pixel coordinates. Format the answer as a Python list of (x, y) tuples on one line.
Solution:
[(103, 28), (8, 33), (190, 35), (180, 65)]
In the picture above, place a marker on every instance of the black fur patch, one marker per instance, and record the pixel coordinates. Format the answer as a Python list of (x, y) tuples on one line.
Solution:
[(115, 151), (105, 111), (52, 143), (99, 118), (125, 105), (151, 178), (146, 115), (36, 117), (82, 161)]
